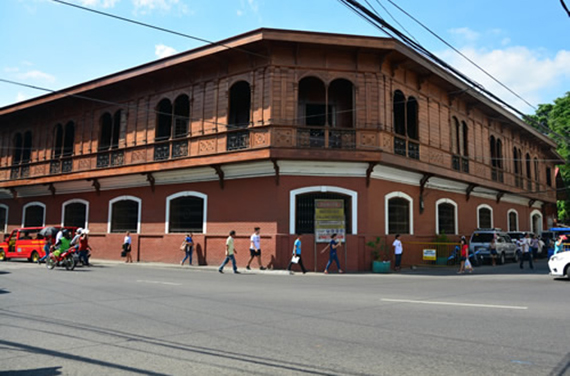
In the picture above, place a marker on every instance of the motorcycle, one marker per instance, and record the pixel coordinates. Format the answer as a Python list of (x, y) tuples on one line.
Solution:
[(58, 258)]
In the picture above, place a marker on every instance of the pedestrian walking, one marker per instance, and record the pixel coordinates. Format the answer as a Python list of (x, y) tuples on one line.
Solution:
[(188, 246), (127, 247), (84, 247), (230, 250), (525, 249), (465, 264), (398, 249), (255, 249), (296, 258), (332, 246), (534, 247)]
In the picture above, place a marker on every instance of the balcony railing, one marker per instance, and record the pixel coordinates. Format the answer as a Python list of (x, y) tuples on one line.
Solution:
[(400, 146), (20, 171), (326, 138), (237, 140), (110, 158)]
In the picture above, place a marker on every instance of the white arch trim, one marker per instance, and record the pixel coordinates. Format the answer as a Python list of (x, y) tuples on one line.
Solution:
[(322, 188), (532, 214), (446, 201), (400, 195), (34, 203), (75, 201), (124, 198), (484, 206), (508, 219), (187, 194), (5, 219)]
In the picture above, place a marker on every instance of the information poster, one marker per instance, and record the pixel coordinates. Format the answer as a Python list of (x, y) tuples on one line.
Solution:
[(329, 219)]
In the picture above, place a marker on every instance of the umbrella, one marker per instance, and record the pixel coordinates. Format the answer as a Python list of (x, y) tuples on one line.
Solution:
[(48, 231)]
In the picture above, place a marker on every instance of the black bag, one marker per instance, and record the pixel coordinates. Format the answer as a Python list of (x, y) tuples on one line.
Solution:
[(123, 254)]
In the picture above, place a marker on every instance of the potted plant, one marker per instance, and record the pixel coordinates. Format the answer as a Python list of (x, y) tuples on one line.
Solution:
[(380, 255)]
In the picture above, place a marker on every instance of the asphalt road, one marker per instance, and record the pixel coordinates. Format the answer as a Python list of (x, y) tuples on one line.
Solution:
[(115, 319)]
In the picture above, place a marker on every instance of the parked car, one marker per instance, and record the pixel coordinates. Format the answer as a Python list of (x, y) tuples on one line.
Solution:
[(481, 238), (559, 264), (25, 243)]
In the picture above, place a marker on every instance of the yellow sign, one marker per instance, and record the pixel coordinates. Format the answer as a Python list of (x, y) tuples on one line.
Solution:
[(329, 219), (430, 254)]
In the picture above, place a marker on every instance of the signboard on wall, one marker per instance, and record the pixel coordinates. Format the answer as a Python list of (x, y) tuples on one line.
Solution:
[(430, 254), (329, 219)]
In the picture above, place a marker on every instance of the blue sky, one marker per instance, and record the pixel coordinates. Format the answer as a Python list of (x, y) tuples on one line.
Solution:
[(524, 44)]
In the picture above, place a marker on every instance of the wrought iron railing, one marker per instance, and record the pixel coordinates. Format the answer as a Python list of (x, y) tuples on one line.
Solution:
[(413, 150), (399, 146), (179, 148), (237, 140), (465, 164), (162, 151), (342, 139), (455, 163)]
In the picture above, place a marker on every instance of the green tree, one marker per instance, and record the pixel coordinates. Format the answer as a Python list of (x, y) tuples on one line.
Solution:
[(557, 117)]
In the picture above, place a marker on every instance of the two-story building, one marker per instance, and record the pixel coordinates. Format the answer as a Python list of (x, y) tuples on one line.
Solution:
[(252, 130)]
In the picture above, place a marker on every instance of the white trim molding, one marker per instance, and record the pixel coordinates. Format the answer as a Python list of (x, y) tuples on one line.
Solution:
[(5, 207), (509, 220), (485, 206), (411, 209), (75, 201), (33, 203), (174, 196), (532, 214), (455, 219), (124, 198), (322, 188)]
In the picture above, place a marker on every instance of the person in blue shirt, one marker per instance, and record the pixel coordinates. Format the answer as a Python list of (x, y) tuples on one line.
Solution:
[(297, 255), (188, 248), (333, 245)]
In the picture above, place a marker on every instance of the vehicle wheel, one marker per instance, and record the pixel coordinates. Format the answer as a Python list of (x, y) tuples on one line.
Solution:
[(568, 271), (69, 263), (50, 263), (34, 257), (502, 259), (2, 255)]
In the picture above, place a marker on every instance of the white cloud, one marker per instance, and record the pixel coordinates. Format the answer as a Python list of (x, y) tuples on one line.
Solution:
[(98, 3), (11, 69), (466, 34), (21, 97), (529, 73), (147, 6), (161, 51), (36, 75), (239, 13)]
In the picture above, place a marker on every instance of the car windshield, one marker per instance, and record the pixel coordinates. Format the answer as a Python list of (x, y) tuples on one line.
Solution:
[(482, 237)]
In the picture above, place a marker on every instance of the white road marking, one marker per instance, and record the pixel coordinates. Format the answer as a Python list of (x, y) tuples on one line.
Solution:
[(160, 282), (454, 304)]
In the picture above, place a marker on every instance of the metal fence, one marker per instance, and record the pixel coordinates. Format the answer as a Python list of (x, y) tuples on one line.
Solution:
[(445, 253)]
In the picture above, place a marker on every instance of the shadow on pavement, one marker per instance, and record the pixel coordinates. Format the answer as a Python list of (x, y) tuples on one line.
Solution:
[(48, 371)]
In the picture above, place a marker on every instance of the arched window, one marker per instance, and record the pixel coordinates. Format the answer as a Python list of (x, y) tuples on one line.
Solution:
[(465, 139), (163, 120), (125, 214), (17, 144), (412, 118), (536, 222), (34, 214), (181, 116), (27, 148), (399, 113), (484, 216), (240, 105), (528, 170), (106, 135), (302, 207), (340, 100), (536, 173), (75, 213), (499, 153), (399, 213), (186, 212), (446, 216), (57, 141), (68, 139), (493, 147), (513, 220), (3, 218), (312, 102)]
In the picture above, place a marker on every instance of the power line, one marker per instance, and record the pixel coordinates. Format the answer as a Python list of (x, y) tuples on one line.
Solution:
[(129, 20), (565, 7), (383, 25)]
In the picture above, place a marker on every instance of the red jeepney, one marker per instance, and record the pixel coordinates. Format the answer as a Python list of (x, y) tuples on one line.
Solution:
[(24, 243)]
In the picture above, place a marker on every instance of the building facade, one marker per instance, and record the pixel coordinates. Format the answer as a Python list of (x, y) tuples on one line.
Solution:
[(252, 130)]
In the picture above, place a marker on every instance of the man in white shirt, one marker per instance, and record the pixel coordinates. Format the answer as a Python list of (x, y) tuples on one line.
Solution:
[(255, 249), (398, 249), (525, 250)]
